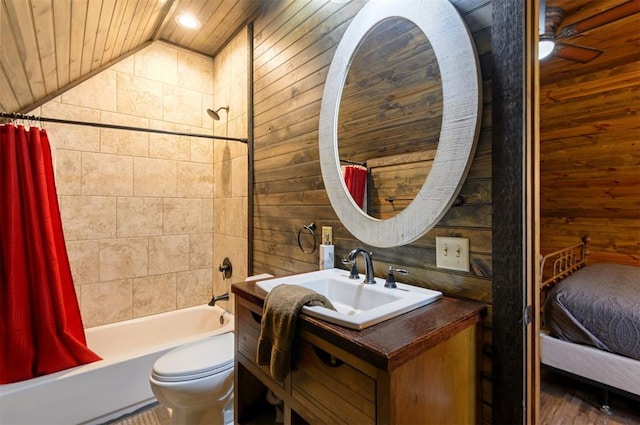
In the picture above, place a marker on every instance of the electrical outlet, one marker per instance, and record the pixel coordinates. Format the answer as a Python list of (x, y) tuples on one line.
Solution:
[(452, 253)]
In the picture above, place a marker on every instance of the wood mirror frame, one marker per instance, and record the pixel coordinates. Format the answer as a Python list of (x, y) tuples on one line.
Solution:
[(461, 89)]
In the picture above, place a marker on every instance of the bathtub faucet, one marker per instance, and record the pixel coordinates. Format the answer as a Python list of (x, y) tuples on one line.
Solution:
[(218, 298)]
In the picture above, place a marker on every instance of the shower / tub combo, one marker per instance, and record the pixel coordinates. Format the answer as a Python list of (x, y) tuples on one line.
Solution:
[(119, 384)]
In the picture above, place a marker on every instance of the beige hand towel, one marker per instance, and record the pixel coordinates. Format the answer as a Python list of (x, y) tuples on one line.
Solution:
[(278, 327)]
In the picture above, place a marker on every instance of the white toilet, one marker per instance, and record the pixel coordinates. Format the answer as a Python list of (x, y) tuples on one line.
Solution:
[(196, 381)]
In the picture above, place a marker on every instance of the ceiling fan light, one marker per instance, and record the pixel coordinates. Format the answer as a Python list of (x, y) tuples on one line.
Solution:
[(545, 47)]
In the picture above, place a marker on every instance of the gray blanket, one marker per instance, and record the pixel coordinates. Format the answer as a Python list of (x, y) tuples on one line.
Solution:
[(598, 305)]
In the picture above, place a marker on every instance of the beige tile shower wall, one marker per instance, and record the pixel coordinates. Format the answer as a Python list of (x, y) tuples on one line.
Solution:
[(230, 162), (137, 208)]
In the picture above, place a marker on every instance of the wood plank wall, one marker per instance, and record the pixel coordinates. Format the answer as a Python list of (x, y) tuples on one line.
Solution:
[(590, 163), (294, 43)]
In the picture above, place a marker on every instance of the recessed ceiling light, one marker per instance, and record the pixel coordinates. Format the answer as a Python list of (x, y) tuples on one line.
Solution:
[(188, 21)]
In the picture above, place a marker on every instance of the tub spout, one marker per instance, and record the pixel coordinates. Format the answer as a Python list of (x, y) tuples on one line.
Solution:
[(218, 298)]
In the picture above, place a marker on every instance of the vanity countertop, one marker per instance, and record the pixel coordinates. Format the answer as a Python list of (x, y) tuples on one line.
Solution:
[(393, 342)]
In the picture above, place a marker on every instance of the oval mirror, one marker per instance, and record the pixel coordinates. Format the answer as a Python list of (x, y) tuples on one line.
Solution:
[(460, 122), (389, 117)]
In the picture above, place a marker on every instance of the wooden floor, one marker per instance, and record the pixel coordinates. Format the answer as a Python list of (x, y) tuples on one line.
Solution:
[(566, 401)]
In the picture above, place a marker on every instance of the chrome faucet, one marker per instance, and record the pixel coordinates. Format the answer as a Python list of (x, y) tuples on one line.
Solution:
[(368, 263)]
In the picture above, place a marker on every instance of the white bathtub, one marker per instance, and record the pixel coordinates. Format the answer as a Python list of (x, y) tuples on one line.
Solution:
[(118, 384)]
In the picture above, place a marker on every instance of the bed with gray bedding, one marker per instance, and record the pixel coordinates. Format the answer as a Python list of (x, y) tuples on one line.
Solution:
[(598, 305)]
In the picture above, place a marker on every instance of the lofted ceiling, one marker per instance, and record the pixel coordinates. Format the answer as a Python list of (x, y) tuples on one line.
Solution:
[(618, 40), (46, 46)]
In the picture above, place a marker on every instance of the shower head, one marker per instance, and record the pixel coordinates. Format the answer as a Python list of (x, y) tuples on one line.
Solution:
[(214, 114)]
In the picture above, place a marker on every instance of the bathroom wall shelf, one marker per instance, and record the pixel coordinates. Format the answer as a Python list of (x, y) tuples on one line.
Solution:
[(420, 367)]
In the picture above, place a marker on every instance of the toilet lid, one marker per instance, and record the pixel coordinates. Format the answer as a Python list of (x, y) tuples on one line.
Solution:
[(196, 360)]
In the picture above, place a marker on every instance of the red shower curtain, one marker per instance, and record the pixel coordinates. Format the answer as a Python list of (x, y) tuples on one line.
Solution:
[(355, 177), (40, 325)]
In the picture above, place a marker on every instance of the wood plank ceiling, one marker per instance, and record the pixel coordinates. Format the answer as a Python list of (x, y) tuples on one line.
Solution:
[(46, 46), (619, 40)]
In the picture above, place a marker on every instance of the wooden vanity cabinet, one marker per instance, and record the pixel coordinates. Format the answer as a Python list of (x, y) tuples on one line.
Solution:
[(418, 368)]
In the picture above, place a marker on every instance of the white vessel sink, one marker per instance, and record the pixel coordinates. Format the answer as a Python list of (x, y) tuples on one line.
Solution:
[(358, 305)]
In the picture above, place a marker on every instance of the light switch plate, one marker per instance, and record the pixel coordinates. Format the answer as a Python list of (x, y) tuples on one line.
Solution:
[(452, 253)]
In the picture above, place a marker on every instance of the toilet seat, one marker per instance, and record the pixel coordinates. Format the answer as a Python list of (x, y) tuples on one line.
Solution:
[(196, 360)]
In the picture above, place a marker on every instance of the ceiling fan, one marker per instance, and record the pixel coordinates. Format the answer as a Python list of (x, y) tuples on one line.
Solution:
[(549, 41)]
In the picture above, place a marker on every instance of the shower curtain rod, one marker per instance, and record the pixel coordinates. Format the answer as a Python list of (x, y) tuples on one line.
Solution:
[(15, 116), (346, 161)]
